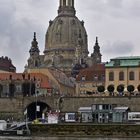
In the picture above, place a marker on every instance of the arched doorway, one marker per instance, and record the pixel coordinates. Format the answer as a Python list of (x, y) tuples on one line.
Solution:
[(35, 110)]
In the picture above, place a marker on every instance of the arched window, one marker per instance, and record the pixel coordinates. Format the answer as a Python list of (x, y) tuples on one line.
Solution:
[(121, 76), (131, 76), (111, 76)]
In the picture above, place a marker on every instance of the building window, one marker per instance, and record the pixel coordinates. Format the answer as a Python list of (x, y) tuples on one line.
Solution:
[(83, 78), (18, 88), (100, 107), (111, 76), (82, 92), (82, 85), (95, 77), (121, 76), (93, 107), (103, 77), (94, 85), (131, 76)]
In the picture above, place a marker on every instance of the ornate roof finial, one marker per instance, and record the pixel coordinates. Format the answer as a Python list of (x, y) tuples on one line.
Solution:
[(34, 36), (96, 40), (34, 46), (97, 47)]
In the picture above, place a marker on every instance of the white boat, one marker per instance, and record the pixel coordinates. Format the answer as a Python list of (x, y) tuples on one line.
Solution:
[(16, 129)]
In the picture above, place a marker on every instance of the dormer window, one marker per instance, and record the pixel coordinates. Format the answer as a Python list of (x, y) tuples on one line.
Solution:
[(103, 77), (95, 77), (83, 78), (117, 62)]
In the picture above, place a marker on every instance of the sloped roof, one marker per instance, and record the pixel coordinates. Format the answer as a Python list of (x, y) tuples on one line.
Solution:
[(98, 69), (6, 64), (131, 61)]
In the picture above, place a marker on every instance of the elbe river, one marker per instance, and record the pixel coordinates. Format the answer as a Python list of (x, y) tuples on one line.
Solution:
[(74, 138), (67, 138)]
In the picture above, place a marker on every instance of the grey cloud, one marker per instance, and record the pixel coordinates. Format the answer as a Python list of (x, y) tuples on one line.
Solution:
[(119, 48), (16, 35), (112, 8)]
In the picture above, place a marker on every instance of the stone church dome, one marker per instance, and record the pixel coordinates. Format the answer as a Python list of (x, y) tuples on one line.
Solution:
[(64, 34)]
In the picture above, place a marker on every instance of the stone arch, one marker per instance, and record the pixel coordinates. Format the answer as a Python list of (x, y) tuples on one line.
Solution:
[(32, 113)]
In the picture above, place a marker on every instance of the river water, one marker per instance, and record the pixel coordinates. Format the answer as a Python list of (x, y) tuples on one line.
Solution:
[(70, 138), (65, 138)]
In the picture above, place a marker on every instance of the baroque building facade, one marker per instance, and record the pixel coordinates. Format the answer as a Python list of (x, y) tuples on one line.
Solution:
[(66, 43), (123, 71), (88, 80)]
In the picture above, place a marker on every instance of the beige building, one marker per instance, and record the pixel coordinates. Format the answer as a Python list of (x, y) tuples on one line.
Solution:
[(21, 84), (62, 85), (123, 71), (89, 79)]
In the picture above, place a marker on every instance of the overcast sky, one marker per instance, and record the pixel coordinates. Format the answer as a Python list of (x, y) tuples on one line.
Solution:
[(115, 22)]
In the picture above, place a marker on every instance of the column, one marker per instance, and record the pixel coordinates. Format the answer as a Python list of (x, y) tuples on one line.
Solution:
[(60, 2), (67, 2)]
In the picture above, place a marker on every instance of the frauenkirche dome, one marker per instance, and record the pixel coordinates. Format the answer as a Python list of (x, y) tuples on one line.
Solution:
[(64, 34), (66, 45)]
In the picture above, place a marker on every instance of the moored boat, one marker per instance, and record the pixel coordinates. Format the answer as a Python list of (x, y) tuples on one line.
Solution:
[(16, 129)]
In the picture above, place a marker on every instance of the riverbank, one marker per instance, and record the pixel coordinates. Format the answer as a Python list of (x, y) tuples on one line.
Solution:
[(85, 130)]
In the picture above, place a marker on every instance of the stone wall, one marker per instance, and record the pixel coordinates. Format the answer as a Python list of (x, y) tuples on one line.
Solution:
[(93, 130), (14, 107), (73, 104)]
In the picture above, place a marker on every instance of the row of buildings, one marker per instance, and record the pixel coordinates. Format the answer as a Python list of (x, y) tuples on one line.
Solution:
[(121, 71)]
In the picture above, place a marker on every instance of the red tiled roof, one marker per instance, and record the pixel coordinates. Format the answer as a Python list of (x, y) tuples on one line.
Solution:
[(40, 78), (98, 69)]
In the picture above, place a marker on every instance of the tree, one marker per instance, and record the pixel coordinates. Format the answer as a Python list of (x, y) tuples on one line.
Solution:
[(130, 89), (101, 89), (120, 88), (138, 88), (111, 89)]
